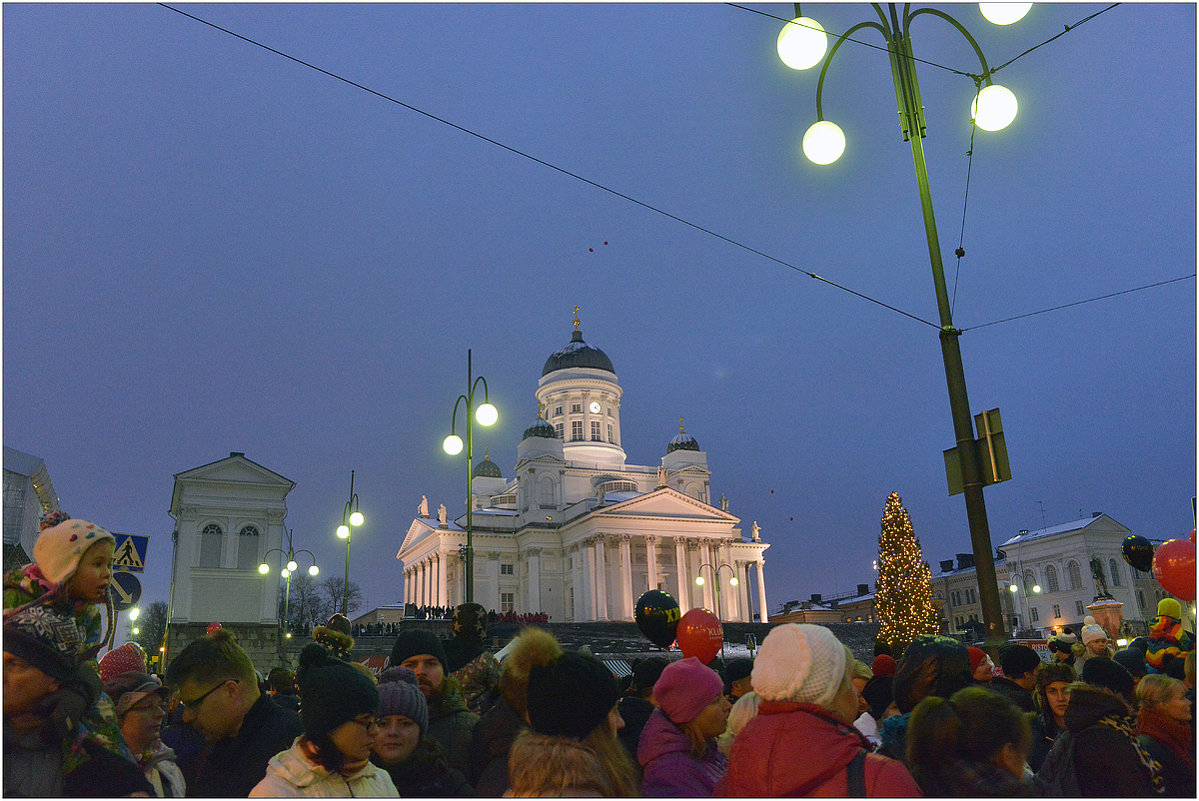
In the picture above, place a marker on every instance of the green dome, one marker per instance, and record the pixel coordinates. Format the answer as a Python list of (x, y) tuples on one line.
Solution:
[(486, 469), (540, 429), (577, 354)]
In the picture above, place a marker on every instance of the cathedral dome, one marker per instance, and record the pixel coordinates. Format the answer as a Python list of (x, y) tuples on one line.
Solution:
[(577, 354), (486, 469), (540, 429), (682, 441)]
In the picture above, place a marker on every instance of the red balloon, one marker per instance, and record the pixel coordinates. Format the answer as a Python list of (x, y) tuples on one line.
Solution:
[(213, 627), (1192, 537), (700, 634), (1174, 568)]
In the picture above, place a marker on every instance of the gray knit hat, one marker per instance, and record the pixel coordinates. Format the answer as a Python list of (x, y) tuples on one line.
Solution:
[(399, 694)]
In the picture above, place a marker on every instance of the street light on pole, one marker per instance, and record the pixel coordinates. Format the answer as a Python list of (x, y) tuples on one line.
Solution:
[(993, 108), (486, 415), (350, 517), (1022, 589), (289, 567)]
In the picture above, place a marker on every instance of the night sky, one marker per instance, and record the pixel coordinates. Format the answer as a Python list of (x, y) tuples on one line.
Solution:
[(209, 247)]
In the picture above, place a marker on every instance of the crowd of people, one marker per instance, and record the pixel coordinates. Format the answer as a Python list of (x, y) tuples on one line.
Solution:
[(449, 718), (425, 612)]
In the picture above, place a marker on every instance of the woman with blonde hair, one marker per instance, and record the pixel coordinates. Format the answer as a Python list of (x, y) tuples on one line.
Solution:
[(745, 710), (678, 752), (543, 766), (1164, 731)]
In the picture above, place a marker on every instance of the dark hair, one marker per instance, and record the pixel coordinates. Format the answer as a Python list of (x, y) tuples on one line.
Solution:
[(282, 681), (327, 755), (931, 665), (210, 658), (973, 724)]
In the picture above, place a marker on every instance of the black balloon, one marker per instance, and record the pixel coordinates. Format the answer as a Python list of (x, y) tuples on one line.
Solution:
[(657, 615), (1138, 552)]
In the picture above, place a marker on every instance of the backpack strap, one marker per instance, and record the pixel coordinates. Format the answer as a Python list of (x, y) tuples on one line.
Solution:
[(855, 776)]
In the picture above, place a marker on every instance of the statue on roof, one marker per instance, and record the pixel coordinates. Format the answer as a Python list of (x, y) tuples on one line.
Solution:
[(423, 509), (441, 515), (757, 532)]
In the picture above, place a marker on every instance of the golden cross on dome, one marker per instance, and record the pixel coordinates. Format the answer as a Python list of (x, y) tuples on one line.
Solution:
[(681, 424), (540, 410), (486, 452), (576, 317)]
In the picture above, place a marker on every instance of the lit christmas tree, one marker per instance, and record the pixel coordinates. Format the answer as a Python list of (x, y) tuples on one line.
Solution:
[(903, 597)]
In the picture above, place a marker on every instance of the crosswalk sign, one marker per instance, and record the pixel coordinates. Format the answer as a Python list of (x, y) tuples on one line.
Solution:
[(130, 553)]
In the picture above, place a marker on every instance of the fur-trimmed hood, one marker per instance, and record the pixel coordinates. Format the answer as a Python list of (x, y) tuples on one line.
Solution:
[(1090, 704)]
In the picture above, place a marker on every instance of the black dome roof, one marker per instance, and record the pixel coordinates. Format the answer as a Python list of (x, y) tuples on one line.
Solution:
[(682, 442), (540, 429), (486, 469), (577, 354)]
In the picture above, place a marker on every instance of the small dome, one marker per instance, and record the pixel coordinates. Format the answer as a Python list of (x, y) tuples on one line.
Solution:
[(682, 441), (540, 429), (577, 354), (486, 468)]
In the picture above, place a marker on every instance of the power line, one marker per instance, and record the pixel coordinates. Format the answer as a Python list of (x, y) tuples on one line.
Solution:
[(1081, 302), (556, 168), (1068, 28)]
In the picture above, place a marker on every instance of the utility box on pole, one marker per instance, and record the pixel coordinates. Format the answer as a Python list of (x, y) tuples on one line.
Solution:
[(992, 453)]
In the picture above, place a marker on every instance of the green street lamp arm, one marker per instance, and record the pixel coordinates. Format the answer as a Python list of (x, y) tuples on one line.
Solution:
[(982, 59), (833, 51), (454, 416)]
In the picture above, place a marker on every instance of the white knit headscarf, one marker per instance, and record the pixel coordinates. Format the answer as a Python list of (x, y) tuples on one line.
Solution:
[(799, 662)]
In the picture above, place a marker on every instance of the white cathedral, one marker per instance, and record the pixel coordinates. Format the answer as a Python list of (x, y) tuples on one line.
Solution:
[(577, 533)]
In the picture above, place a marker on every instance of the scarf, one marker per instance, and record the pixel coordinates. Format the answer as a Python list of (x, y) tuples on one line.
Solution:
[(1174, 735), (1123, 725)]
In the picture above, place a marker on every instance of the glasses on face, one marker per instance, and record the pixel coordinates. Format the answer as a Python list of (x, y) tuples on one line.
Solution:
[(193, 705), (367, 721)]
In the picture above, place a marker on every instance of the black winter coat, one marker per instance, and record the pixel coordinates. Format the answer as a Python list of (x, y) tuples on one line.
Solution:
[(426, 774), (1012, 691), (490, 743), (230, 768)]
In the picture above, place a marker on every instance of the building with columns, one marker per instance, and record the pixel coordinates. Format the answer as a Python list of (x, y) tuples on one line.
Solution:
[(576, 532)]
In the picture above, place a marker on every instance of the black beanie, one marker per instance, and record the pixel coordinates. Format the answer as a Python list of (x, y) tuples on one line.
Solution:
[(571, 696), (1017, 660), (418, 641), (332, 691), (1103, 672), (1131, 660)]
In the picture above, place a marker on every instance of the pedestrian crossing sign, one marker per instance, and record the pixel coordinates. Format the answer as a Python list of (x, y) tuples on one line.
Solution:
[(130, 553)]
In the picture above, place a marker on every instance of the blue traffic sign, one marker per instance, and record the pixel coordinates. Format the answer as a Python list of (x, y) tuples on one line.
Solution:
[(125, 590), (130, 553)]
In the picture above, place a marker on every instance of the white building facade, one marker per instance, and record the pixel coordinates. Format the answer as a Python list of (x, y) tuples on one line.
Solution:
[(28, 494), (579, 534)]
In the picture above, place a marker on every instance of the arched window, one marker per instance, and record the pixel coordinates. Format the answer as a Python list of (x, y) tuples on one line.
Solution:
[(211, 539), (1051, 579), (545, 493), (1075, 575), (1111, 563), (247, 548)]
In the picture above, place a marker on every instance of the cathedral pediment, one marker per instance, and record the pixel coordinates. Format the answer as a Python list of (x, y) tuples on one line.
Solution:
[(666, 502)]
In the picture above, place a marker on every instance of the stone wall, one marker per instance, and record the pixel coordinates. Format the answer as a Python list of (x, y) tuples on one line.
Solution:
[(258, 641)]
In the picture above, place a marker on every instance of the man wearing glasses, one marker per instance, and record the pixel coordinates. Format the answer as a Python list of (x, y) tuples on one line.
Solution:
[(242, 727)]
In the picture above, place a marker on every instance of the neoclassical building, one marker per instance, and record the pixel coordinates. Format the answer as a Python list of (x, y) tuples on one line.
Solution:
[(576, 532)]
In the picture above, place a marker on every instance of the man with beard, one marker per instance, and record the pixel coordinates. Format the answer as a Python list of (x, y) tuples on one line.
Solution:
[(450, 722)]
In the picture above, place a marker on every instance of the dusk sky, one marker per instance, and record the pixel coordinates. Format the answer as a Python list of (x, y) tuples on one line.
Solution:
[(209, 247)]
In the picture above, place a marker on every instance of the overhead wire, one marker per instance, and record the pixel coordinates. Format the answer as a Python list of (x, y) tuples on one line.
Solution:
[(561, 170), (681, 220)]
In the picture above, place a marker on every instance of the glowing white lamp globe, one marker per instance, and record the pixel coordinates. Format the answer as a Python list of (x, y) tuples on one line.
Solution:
[(1012, 588), (356, 518), (824, 142), (134, 613), (801, 43), (343, 532), (135, 631), (452, 445), (1036, 588), (285, 572), (292, 566), (487, 414), (734, 581), (312, 571), (994, 108), (699, 580), (264, 568), (1004, 13)]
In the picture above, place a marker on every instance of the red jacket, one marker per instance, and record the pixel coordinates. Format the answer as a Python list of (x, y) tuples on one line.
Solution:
[(793, 749)]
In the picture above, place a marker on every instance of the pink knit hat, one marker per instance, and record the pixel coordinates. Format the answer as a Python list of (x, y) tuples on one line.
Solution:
[(129, 658), (685, 688)]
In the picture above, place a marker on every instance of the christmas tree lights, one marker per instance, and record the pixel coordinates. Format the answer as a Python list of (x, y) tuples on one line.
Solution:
[(903, 598)]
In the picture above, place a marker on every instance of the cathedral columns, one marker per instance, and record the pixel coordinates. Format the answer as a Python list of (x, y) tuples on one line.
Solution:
[(585, 593), (626, 579), (734, 595), (601, 581), (651, 563), (493, 567), (761, 589), (533, 603), (443, 595), (682, 586)]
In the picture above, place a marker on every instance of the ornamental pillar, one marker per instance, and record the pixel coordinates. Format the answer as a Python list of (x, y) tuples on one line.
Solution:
[(761, 589), (651, 563), (601, 581), (626, 579)]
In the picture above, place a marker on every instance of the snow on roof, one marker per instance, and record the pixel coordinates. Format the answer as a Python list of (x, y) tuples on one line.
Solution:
[(1060, 528)]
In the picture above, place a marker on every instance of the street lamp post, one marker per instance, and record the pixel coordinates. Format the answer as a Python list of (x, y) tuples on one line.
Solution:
[(1019, 587), (993, 108), (486, 415), (350, 517), (699, 582), (290, 566)]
